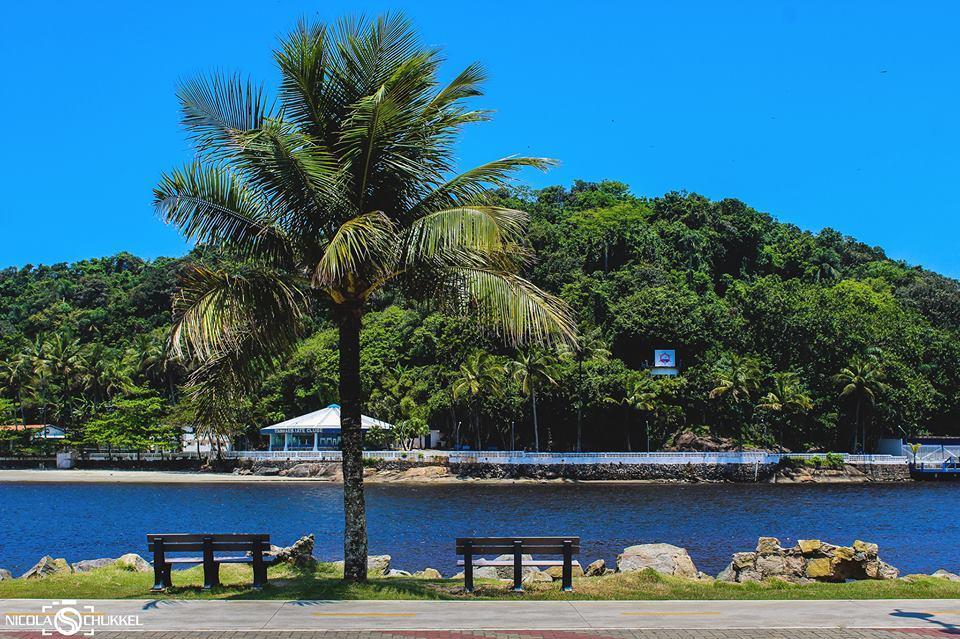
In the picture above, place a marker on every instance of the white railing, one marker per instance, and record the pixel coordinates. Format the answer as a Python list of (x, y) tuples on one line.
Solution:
[(145, 456), (932, 453), (521, 457)]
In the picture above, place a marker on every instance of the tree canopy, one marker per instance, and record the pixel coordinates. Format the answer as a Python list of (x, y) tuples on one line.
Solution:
[(713, 279)]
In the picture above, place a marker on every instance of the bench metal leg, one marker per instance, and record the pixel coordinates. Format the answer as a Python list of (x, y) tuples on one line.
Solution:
[(567, 581), (468, 566), (211, 569), (259, 568), (159, 578), (159, 566), (518, 566)]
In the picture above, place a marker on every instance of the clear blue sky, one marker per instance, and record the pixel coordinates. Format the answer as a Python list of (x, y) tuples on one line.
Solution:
[(833, 113)]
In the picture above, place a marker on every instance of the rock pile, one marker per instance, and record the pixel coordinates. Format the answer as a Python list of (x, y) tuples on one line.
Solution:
[(300, 554), (809, 560)]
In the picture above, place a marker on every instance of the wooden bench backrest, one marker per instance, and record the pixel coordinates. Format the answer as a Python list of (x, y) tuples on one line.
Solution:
[(177, 542), (504, 545)]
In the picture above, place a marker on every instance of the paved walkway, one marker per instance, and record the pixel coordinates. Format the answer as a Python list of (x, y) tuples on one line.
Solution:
[(179, 619)]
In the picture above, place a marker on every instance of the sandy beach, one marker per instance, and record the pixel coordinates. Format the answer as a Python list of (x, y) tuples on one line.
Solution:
[(413, 475)]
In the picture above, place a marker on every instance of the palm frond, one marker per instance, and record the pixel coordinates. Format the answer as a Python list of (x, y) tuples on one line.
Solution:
[(487, 230), (216, 312), (472, 186), (216, 109), (363, 245), (211, 206), (465, 85), (304, 87), (509, 305)]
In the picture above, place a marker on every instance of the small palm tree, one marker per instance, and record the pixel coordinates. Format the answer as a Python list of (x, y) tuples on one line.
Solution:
[(589, 347), (641, 395), (737, 378), (344, 190), (787, 399), (534, 369), (861, 380), (479, 375)]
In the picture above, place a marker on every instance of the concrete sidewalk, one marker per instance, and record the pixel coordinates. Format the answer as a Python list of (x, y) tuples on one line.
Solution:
[(476, 618)]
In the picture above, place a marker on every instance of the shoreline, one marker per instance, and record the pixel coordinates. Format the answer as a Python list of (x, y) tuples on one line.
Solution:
[(101, 476)]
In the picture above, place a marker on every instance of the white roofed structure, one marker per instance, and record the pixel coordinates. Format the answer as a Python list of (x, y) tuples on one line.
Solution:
[(319, 430)]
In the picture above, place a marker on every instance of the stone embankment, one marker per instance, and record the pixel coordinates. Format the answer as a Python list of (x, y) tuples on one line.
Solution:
[(688, 473)]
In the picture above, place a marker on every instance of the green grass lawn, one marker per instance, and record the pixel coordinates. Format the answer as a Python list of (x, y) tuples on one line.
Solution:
[(324, 583)]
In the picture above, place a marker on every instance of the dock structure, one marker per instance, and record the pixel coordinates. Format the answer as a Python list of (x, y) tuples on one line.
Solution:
[(934, 458)]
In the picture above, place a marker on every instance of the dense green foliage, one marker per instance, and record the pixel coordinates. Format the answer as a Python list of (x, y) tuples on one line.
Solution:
[(771, 325)]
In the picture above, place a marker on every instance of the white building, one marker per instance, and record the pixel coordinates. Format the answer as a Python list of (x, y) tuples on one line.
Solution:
[(319, 430)]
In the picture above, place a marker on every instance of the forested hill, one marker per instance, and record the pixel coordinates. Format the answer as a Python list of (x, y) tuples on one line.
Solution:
[(772, 326)]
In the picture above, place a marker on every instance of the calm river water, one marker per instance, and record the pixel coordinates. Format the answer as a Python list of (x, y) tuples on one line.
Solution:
[(916, 525)]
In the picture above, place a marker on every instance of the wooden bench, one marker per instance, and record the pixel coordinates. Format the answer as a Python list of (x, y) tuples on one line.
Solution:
[(163, 544), (468, 547)]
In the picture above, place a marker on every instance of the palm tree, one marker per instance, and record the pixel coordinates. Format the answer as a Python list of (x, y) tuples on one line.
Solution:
[(345, 190), (478, 375), (65, 362), (737, 377), (862, 380), (14, 373), (787, 399), (641, 395), (589, 347), (533, 369)]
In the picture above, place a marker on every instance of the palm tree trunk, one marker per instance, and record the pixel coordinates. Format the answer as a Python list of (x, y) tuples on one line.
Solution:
[(580, 405), (536, 429), (351, 444), (627, 424), (856, 426)]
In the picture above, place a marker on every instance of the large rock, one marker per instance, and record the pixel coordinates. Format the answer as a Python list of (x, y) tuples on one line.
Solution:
[(46, 567), (377, 565), (536, 576), (394, 572), (821, 568), (808, 546), (666, 559), (688, 440), (5, 575), (133, 562), (506, 572), (596, 568), (428, 573), (557, 571), (86, 565), (300, 554), (768, 545), (940, 574), (728, 574), (301, 470)]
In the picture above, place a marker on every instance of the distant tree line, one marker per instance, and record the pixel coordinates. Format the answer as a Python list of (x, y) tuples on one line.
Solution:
[(785, 338)]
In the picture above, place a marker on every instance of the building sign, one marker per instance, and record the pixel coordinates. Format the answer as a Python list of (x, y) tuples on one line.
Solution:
[(665, 358)]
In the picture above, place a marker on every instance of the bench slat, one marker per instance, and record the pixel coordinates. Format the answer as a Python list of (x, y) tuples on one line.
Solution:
[(219, 560), (198, 547), (508, 550), (533, 541), (538, 562), (181, 537)]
